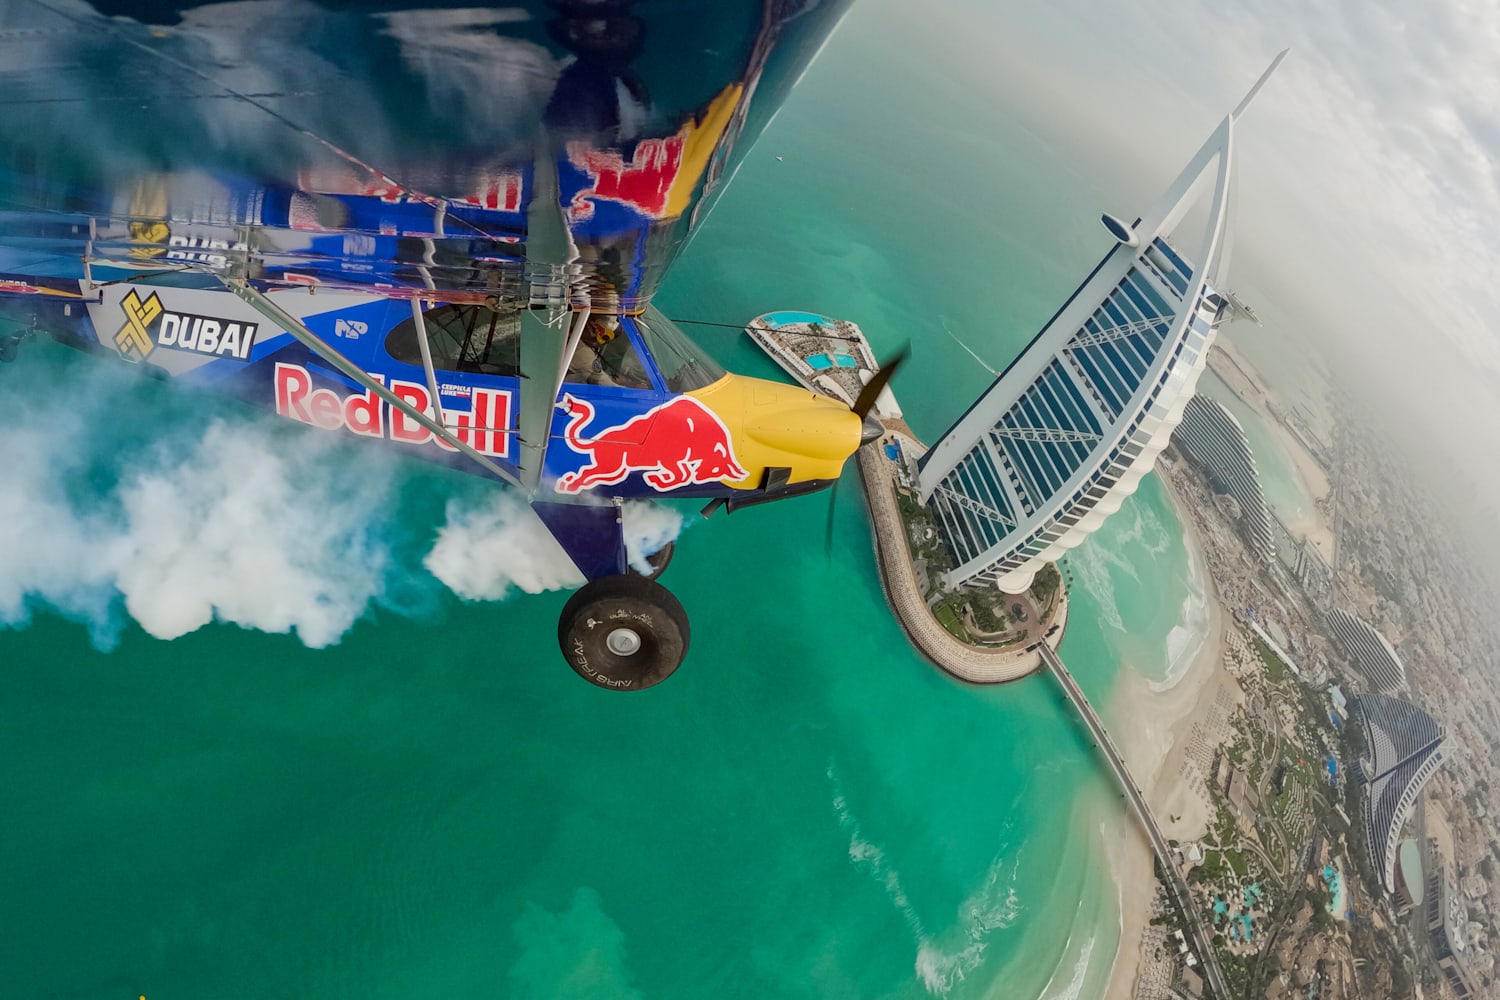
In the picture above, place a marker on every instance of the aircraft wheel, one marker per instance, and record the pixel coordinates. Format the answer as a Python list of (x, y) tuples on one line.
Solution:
[(658, 561), (625, 633)]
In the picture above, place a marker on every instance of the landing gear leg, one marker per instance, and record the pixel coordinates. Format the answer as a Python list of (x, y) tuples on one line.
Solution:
[(658, 561), (623, 632)]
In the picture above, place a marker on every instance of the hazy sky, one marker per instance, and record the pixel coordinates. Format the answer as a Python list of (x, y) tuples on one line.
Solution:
[(1368, 187)]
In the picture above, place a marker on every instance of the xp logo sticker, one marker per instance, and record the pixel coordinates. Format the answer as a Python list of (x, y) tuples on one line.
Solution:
[(134, 338), (149, 325)]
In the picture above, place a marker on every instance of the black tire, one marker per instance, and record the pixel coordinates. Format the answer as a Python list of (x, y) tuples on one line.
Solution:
[(604, 619), (658, 561)]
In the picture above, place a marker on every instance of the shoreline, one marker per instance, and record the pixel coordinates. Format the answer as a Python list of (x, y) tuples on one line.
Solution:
[(1156, 747), (961, 661), (967, 661), (1161, 716)]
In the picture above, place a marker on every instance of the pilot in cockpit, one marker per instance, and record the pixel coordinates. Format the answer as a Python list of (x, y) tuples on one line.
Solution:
[(605, 356)]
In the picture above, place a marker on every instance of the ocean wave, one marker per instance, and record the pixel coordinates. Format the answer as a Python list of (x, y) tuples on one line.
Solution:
[(1073, 989), (1144, 529), (868, 855), (1191, 631), (1109, 560), (946, 958), (1092, 574)]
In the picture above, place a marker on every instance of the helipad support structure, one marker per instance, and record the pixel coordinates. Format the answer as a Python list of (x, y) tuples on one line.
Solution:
[(1066, 433)]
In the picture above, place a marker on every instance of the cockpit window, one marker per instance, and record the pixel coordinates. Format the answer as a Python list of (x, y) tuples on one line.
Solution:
[(463, 338), (605, 356), (683, 364)]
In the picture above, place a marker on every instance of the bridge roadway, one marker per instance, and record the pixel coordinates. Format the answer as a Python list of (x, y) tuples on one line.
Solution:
[(1131, 792)]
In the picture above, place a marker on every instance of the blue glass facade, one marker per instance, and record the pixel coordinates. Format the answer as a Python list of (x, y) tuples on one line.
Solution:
[(1406, 746), (1070, 434), (1071, 426)]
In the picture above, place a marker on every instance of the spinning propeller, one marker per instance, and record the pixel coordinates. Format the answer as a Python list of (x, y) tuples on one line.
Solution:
[(873, 428)]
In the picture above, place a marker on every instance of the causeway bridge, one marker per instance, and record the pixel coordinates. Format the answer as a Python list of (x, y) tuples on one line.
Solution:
[(1131, 793)]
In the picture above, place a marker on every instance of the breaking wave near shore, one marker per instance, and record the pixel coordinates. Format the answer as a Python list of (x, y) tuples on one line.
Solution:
[(946, 957), (125, 500)]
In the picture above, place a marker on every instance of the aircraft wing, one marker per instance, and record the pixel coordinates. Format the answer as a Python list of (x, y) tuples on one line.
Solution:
[(545, 159)]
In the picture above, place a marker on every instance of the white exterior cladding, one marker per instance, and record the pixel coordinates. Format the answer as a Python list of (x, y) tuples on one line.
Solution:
[(1406, 747), (1066, 433), (1369, 650), (1211, 436)]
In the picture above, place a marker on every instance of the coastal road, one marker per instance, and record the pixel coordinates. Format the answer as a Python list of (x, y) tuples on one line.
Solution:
[(1131, 792)]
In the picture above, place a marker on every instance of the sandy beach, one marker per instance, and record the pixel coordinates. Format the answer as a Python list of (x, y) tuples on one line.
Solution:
[(1153, 725)]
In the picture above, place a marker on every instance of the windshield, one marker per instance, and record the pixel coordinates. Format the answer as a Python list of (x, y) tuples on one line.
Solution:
[(683, 364), (605, 356), (464, 338)]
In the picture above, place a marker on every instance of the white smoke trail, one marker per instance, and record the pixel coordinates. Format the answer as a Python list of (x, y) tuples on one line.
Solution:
[(120, 497), (481, 553), (233, 526), (237, 532), (648, 528)]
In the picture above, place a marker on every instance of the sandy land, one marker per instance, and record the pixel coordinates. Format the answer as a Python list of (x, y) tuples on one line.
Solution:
[(1153, 726)]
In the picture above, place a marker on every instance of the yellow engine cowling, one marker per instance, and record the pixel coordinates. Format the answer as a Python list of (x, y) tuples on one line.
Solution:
[(774, 425)]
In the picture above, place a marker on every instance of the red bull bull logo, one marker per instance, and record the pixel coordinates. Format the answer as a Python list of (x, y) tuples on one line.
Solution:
[(678, 443), (644, 183)]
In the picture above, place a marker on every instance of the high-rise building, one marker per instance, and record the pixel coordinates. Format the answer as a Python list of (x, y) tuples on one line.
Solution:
[(1446, 920), (1370, 651), (1211, 436), (1406, 747), (1068, 430)]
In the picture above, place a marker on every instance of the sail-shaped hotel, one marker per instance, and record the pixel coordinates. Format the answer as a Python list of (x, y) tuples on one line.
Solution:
[(1066, 432)]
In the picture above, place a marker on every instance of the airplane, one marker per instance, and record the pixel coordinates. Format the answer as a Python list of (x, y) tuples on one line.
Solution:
[(431, 225)]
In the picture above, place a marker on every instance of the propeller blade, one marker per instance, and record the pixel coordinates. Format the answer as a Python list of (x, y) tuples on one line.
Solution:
[(866, 401), (833, 495)]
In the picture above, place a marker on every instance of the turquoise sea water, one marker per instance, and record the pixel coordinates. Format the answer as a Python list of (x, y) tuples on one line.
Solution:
[(434, 806)]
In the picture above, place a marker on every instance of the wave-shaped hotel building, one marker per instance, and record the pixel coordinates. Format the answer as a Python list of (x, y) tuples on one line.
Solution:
[(1371, 652), (1406, 747), (1068, 430), (1211, 436)]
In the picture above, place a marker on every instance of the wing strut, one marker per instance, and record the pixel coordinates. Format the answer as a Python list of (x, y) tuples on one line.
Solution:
[(432, 386), (575, 335), (262, 304)]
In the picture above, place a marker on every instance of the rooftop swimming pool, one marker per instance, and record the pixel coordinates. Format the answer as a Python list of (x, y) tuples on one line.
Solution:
[(791, 317), (822, 362)]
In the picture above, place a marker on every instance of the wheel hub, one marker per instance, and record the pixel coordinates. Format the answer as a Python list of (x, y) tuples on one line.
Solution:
[(624, 642)]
